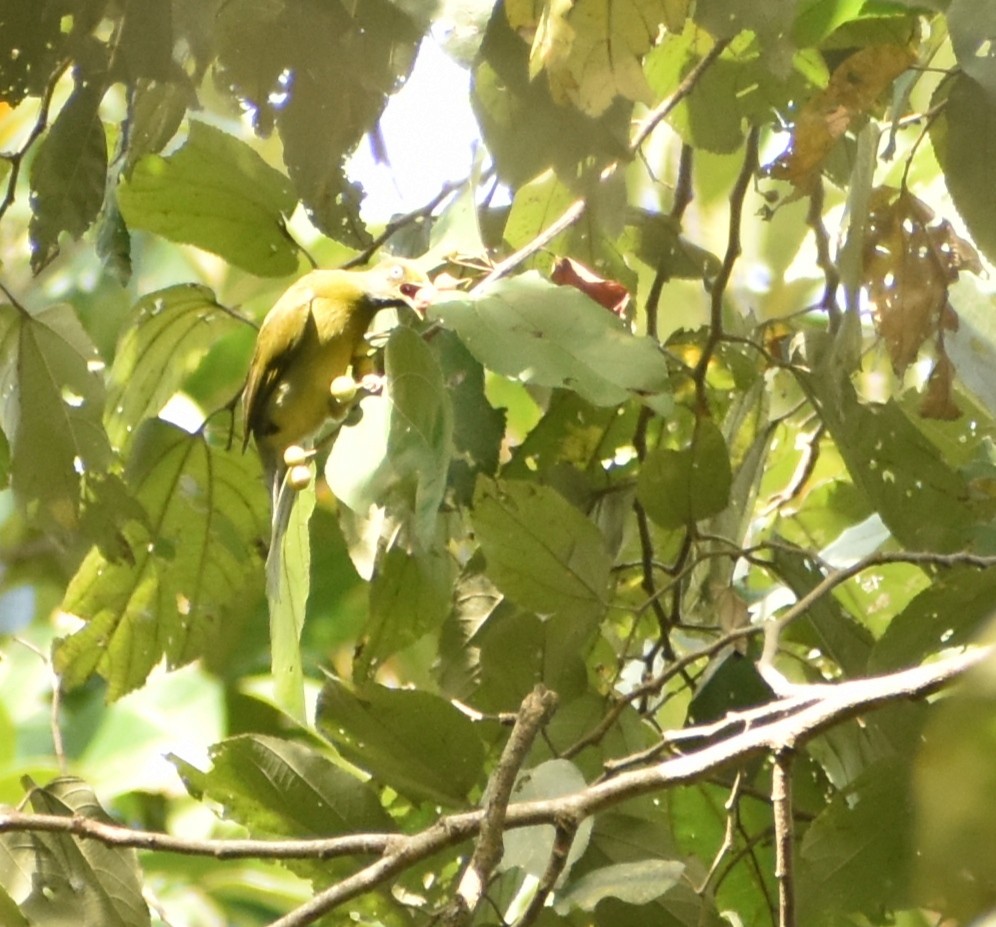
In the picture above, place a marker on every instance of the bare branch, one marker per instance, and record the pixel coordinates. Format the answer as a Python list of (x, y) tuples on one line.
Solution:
[(559, 853), (805, 718), (781, 803), (534, 712)]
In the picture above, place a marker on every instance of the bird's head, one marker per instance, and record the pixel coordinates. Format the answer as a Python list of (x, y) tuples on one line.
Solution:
[(395, 281)]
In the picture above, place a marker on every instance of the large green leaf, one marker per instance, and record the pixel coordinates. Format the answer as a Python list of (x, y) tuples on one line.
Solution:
[(288, 585), (679, 488), (948, 613), (68, 174), (409, 596), (856, 856), (921, 499), (531, 330), (51, 402), (62, 881), (217, 193), (274, 786), (636, 883), (194, 558), (397, 455), (415, 742), (966, 125), (170, 331), (541, 551)]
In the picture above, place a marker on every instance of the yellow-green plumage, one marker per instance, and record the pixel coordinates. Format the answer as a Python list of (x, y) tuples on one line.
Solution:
[(308, 338)]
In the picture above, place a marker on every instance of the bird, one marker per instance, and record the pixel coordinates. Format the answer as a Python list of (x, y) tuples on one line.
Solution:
[(310, 337), (307, 341)]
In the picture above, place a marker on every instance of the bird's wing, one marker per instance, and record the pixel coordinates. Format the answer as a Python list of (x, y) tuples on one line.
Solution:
[(276, 343)]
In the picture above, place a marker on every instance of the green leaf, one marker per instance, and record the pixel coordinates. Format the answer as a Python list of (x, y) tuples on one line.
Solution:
[(679, 488), (899, 470), (399, 452), (478, 428), (856, 856), (536, 205), (197, 559), (970, 23), (409, 596), (218, 194), (528, 329), (826, 625), (51, 402), (168, 334), (155, 113), (63, 881), (68, 174), (529, 848), (274, 786), (288, 585), (635, 883), (541, 551), (412, 741), (948, 613), (965, 125)]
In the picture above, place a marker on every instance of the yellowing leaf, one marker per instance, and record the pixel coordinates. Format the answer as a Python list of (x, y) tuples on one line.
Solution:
[(592, 50), (853, 89), (908, 265)]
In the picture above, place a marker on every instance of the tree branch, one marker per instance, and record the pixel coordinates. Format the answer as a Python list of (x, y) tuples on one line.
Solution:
[(534, 712), (781, 804), (803, 718)]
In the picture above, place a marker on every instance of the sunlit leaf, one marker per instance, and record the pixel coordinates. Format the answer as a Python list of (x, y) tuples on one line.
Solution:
[(636, 883), (169, 597), (217, 193), (275, 786), (61, 880), (536, 332), (591, 50), (169, 333)]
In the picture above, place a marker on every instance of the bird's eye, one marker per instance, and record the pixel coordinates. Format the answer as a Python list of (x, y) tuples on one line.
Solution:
[(397, 272)]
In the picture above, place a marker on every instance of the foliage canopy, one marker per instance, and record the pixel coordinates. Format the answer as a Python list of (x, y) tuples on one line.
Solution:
[(620, 603)]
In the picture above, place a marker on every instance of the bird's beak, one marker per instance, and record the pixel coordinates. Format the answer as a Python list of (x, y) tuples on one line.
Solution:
[(419, 295)]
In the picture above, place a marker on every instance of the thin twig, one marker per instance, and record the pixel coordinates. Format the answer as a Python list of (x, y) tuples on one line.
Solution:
[(781, 803), (562, 840), (824, 260), (533, 714), (395, 225), (578, 208), (831, 705), (733, 248)]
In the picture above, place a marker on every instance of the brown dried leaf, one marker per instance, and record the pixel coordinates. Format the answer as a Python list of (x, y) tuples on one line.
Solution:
[(908, 267), (938, 401), (853, 89), (608, 293)]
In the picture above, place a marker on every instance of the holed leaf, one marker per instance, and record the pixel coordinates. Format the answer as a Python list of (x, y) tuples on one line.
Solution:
[(169, 332), (51, 402), (61, 880), (415, 742), (531, 330), (218, 194), (854, 87), (68, 174), (195, 560)]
